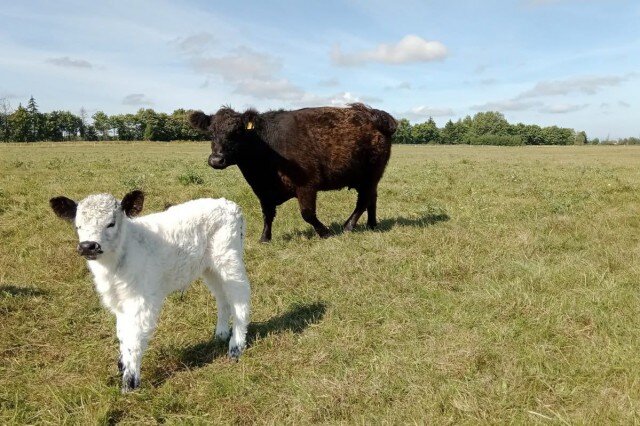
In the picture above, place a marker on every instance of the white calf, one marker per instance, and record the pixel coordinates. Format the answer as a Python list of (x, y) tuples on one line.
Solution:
[(137, 262)]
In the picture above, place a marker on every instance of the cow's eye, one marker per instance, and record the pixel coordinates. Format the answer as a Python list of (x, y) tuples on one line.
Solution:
[(111, 225)]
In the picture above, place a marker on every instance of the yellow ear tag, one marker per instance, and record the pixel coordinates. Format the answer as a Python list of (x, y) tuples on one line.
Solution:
[(249, 125)]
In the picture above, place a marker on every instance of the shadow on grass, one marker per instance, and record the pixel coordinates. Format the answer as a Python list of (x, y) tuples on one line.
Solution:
[(384, 225), (295, 320), (15, 291)]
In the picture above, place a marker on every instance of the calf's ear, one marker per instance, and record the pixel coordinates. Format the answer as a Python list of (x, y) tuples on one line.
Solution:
[(65, 208), (199, 120), (132, 203)]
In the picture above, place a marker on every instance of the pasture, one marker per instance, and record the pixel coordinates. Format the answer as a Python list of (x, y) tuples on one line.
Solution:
[(501, 286)]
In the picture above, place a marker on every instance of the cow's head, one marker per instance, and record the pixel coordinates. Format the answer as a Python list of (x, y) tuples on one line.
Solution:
[(230, 132), (98, 219)]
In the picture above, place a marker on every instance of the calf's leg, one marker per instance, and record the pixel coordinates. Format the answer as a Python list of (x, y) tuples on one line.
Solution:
[(235, 286), (214, 282), (307, 200), (135, 327)]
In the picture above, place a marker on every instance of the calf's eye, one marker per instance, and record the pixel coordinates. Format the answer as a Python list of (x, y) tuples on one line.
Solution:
[(111, 225)]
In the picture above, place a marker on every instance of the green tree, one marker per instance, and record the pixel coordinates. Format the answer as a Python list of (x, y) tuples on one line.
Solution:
[(489, 123), (403, 132), (555, 135), (453, 133), (426, 132), (5, 112), (581, 138), (35, 120), (20, 125), (101, 124)]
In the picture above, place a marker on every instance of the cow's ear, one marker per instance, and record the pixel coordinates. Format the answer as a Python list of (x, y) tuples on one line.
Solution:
[(250, 119), (65, 208), (199, 120), (132, 203)]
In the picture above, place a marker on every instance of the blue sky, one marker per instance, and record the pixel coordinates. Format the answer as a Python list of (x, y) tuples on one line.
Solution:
[(574, 63)]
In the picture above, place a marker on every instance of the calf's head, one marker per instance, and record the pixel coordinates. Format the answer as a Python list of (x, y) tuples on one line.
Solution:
[(98, 220), (231, 134)]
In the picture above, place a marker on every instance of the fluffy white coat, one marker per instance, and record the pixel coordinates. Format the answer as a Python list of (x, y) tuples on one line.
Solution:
[(144, 259)]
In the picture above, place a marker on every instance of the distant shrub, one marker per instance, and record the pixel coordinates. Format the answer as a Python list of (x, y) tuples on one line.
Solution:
[(191, 177)]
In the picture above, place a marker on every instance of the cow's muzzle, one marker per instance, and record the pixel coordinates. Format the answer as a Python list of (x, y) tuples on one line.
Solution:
[(217, 161), (89, 249)]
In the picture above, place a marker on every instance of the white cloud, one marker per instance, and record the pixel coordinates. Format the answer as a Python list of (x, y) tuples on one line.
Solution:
[(330, 82), (422, 113), (66, 61), (137, 99), (280, 89), (195, 43), (507, 105), (588, 85), (404, 85), (244, 63), (562, 108), (411, 49)]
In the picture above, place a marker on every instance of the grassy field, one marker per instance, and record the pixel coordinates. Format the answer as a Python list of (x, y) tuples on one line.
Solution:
[(501, 286)]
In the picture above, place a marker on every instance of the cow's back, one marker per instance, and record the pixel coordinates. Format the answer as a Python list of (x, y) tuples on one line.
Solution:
[(335, 147)]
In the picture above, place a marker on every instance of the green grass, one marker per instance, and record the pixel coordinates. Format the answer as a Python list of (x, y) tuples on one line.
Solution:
[(502, 286)]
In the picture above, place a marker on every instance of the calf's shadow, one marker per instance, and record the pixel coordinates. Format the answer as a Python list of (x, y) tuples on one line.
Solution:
[(295, 320)]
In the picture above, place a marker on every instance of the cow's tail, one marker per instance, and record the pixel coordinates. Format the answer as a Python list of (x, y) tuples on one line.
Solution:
[(381, 119)]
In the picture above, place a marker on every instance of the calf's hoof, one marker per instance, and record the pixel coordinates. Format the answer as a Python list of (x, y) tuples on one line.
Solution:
[(265, 240), (235, 352), (130, 382)]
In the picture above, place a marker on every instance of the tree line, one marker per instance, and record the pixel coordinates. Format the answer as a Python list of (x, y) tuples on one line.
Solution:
[(28, 124)]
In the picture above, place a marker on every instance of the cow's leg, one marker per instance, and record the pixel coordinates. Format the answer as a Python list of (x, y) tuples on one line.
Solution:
[(307, 201), (268, 213), (372, 222), (213, 281), (135, 327), (364, 200)]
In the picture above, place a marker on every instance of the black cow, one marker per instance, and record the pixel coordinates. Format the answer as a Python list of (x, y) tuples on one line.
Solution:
[(286, 154)]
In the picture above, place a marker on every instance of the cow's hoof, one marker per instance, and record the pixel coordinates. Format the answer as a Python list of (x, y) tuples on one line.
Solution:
[(120, 365), (235, 352), (324, 233), (130, 382), (265, 240)]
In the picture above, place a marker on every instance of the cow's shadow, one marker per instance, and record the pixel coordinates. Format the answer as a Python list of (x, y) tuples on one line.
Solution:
[(384, 225), (295, 320)]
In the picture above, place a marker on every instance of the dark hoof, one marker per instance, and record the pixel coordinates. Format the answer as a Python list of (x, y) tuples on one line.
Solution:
[(264, 240), (324, 233), (130, 382), (372, 225), (235, 352), (120, 365)]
